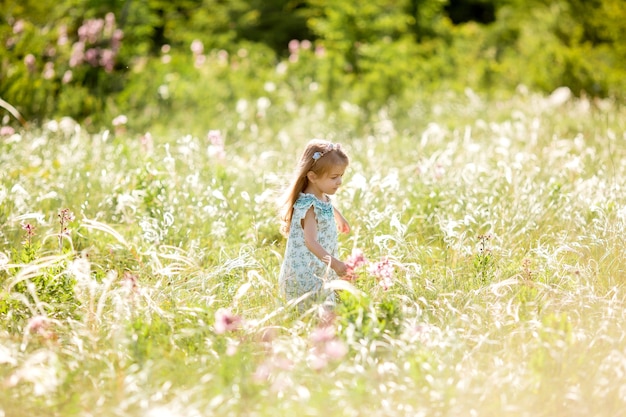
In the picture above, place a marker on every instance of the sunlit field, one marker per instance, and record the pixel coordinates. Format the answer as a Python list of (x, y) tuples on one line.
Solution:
[(139, 271)]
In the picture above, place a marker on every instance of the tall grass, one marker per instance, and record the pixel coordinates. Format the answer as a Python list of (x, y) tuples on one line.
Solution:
[(503, 222)]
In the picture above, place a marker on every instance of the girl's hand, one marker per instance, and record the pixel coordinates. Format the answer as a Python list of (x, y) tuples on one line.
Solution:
[(343, 227), (340, 268), (342, 223)]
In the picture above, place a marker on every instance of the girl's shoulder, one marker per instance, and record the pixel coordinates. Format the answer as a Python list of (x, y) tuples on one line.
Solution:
[(306, 200)]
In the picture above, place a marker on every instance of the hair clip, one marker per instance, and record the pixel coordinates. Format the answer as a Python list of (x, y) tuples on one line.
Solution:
[(331, 147)]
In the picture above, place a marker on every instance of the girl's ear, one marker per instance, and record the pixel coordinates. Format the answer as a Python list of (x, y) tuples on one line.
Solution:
[(311, 176)]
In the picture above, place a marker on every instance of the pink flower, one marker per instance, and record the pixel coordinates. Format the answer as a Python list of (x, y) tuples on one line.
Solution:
[(40, 325), (65, 216), (130, 281), (6, 131), (197, 47), (335, 349), (327, 347), (62, 35), (225, 321), (383, 271), (18, 27), (147, 142), (323, 334), (30, 61), (67, 77), (116, 39), (354, 261), (37, 324), (48, 71), (107, 60), (78, 54), (30, 229), (109, 23), (216, 148), (215, 137), (293, 46), (120, 120)]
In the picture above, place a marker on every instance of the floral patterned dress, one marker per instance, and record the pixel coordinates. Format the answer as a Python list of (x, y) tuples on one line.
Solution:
[(302, 272)]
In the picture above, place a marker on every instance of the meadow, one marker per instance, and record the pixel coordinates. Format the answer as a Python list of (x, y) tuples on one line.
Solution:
[(139, 272)]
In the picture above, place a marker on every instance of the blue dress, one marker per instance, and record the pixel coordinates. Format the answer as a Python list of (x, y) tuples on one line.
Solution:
[(302, 272)]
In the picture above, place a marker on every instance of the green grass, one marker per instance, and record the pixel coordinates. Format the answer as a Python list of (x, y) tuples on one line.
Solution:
[(504, 222)]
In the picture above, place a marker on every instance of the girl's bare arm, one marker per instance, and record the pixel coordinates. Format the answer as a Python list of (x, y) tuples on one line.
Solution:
[(309, 224)]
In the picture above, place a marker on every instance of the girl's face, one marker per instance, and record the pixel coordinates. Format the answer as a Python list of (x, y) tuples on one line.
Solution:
[(329, 182)]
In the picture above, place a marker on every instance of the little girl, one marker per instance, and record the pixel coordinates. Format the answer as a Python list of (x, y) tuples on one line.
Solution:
[(310, 223)]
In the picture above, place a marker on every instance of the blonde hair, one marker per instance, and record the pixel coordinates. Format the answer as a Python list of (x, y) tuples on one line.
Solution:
[(319, 156)]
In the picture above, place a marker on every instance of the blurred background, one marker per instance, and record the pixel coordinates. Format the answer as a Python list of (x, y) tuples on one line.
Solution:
[(187, 64)]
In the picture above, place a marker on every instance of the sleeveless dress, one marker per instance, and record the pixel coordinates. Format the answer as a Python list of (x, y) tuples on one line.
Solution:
[(302, 272)]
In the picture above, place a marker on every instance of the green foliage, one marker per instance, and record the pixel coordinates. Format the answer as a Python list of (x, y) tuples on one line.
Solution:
[(361, 317), (50, 292), (69, 67), (140, 62), (171, 227), (483, 260), (148, 335)]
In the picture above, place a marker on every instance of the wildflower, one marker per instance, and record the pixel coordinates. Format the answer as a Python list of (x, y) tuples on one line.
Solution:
[(6, 131), (354, 261), (323, 334), (116, 40), (78, 54), (226, 321), (327, 347), (91, 56), (48, 71), (18, 27), (30, 229), (67, 77), (107, 60), (222, 57), (318, 362), (197, 47), (65, 216), (30, 232), (63, 39), (109, 24), (294, 45), (30, 61), (199, 60), (147, 142), (215, 137), (383, 271), (130, 281), (335, 349), (40, 325), (120, 120), (216, 147)]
